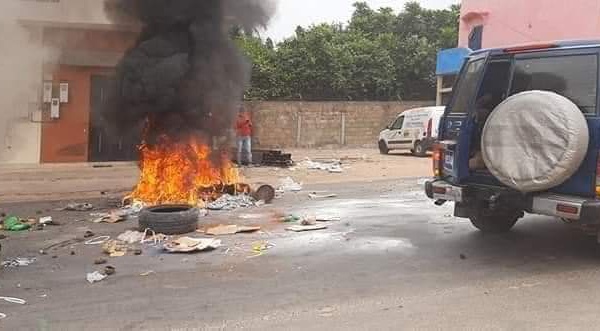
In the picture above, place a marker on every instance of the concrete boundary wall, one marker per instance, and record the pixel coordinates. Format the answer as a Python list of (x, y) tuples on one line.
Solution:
[(323, 124)]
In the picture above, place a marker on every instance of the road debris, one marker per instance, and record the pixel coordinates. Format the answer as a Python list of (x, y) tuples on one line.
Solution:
[(332, 166), (13, 223), (47, 220), (326, 311), (290, 218), (94, 277), (115, 248), (321, 196), (100, 260), (151, 236), (309, 220), (118, 215), (77, 207), (231, 202), (97, 240), (289, 185), (147, 273), (88, 234), (190, 245), (265, 193), (17, 301), (221, 230), (328, 219), (109, 270), (19, 262), (303, 228), (260, 247), (131, 237)]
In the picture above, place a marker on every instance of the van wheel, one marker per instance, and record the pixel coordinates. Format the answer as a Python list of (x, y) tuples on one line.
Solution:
[(383, 148), (419, 150), (494, 222)]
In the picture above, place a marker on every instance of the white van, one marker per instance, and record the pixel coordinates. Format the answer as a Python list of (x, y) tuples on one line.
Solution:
[(415, 130)]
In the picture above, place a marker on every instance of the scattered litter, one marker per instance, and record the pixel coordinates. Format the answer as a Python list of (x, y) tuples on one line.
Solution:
[(95, 277), (328, 219), (107, 218), (14, 300), (115, 248), (259, 203), (290, 218), (154, 237), (333, 166), (13, 223), (78, 207), (463, 256), (109, 270), (189, 245), (119, 215), (98, 240), (2, 316), (100, 260), (302, 228), (230, 202), (321, 196), (19, 262), (47, 220), (147, 273), (221, 230), (88, 234), (289, 185), (265, 193), (261, 246), (131, 237), (309, 220)]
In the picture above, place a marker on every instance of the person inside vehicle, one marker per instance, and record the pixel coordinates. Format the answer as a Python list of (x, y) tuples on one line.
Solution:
[(483, 107)]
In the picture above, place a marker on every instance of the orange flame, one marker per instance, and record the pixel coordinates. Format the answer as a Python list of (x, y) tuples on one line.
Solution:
[(175, 172)]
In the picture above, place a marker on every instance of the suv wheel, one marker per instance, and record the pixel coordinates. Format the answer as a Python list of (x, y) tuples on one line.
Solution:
[(494, 222), (419, 150), (383, 148)]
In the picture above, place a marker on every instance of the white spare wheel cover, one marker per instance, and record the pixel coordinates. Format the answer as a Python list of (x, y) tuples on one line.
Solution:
[(534, 141)]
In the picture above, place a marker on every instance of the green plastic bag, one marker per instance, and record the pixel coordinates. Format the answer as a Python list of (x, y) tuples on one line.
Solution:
[(12, 223)]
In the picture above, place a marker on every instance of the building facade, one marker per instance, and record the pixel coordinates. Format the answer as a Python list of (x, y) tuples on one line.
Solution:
[(63, 57), (497, 23)]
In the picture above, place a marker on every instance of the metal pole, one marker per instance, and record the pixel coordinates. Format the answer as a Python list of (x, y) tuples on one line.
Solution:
[(438, 93), (299, 129), (343, 138)]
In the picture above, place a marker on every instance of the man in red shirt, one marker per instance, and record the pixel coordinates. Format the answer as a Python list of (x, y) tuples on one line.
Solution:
[(244, 138)]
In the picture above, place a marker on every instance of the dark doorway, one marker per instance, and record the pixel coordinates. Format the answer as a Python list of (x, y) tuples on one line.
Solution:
[(104, 145), (476, 38)]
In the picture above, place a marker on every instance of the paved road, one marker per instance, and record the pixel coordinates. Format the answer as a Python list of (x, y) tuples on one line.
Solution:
[(393, 262)]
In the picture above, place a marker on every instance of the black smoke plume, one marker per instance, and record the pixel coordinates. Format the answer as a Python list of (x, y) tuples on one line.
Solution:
[(184, 73)]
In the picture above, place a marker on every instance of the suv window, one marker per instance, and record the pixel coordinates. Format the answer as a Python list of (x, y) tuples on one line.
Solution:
[(574, 77), (467, 86)]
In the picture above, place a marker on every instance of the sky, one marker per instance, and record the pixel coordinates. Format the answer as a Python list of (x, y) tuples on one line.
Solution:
[(291, 13)]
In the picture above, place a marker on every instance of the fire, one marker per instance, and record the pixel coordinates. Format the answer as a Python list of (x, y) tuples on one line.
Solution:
[(183, 171)]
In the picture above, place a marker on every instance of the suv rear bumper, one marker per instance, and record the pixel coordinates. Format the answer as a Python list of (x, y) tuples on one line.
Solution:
[(573, 208)]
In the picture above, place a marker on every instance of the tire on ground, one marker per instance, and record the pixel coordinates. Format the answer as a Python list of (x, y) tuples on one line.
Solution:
[(169, 219), (534, 141)]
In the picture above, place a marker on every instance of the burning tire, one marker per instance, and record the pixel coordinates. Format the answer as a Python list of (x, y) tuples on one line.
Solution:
[(169, 219)]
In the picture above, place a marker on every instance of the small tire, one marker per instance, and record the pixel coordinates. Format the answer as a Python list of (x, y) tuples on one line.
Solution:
[(494, 223), (169, 219), (383, 148), (419, 149)]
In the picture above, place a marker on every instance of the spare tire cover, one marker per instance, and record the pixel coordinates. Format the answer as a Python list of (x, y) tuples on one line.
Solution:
[(534, 141)]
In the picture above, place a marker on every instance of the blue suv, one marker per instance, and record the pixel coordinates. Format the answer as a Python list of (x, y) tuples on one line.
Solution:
[(522, 134)]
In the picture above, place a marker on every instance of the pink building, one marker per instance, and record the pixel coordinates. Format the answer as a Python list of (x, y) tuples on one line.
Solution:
[(496, 23)]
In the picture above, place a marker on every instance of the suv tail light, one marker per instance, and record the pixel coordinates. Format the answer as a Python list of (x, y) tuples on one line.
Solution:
[(598, 175), (429, 127), (438, 156)]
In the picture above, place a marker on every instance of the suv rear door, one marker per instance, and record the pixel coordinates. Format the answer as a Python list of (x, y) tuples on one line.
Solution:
[(572, 73), (455, 127)]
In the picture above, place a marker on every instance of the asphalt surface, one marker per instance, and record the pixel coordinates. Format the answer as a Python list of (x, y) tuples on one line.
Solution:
[(394, 261)]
